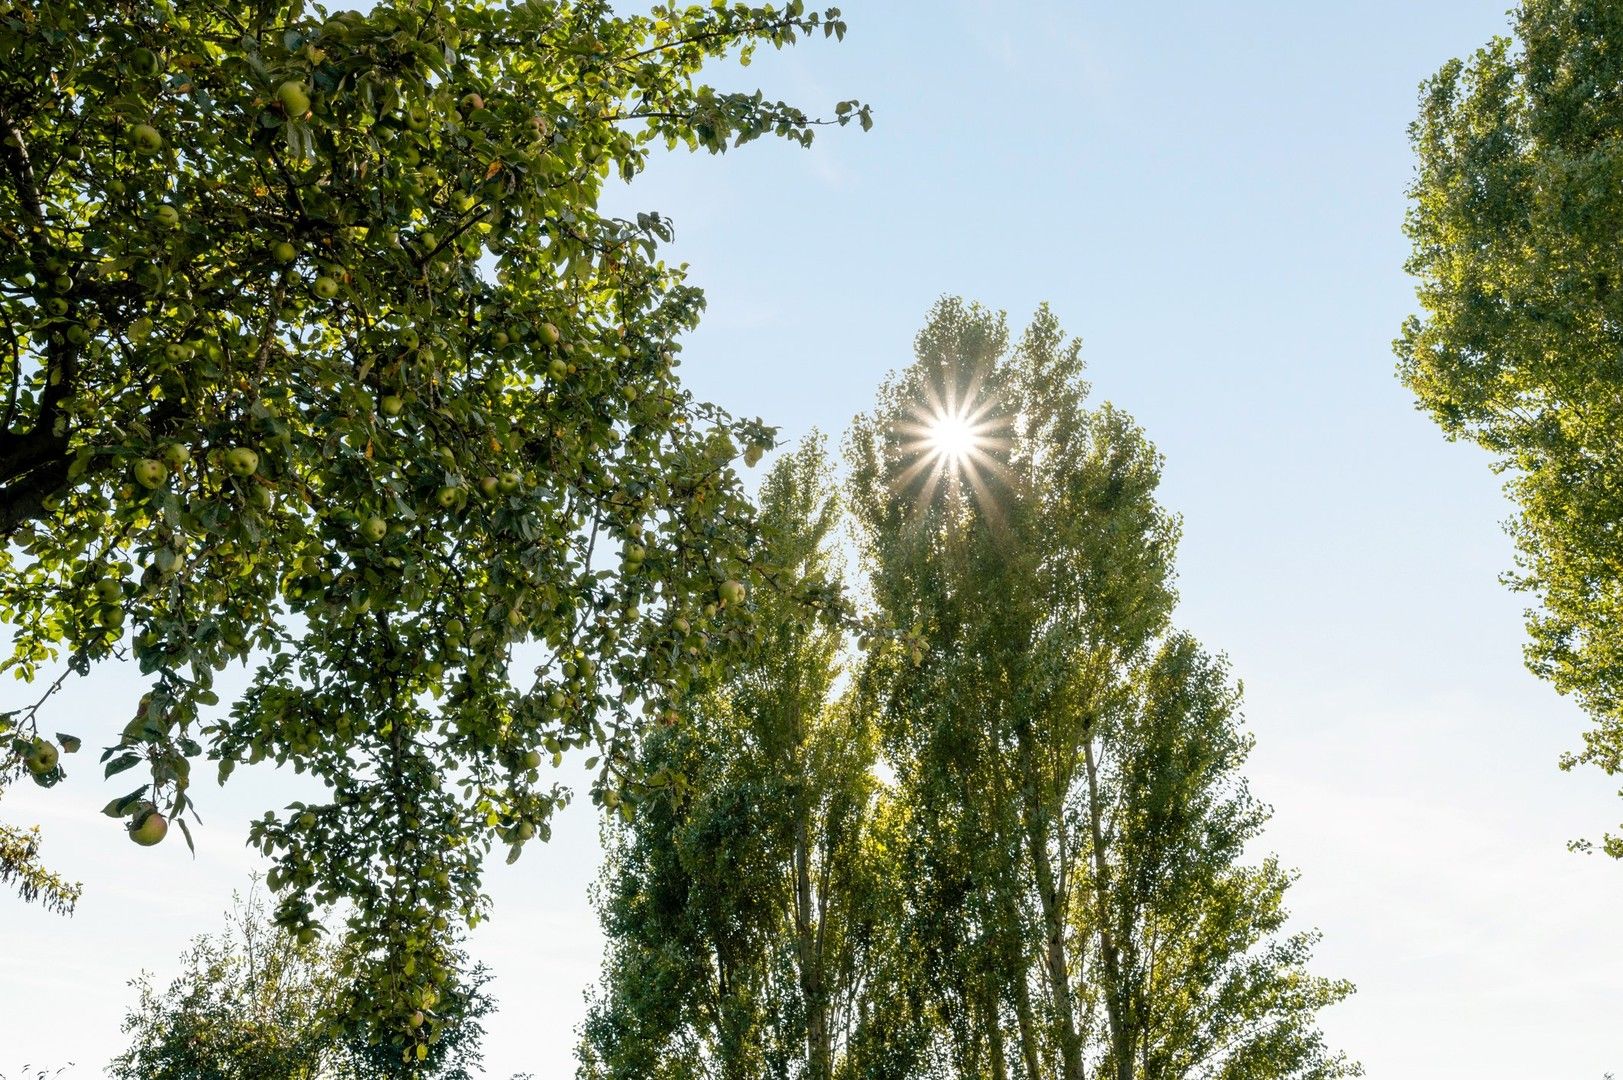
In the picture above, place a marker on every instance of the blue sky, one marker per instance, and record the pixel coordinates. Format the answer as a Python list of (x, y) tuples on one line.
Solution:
[(1210, 195)]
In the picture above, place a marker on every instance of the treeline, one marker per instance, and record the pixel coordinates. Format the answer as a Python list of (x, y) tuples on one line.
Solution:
[(1007, 840)]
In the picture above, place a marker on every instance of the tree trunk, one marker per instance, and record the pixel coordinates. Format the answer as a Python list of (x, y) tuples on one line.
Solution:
[(1028, 1027), (1121, 1037), (1059, 973), (819, 1051), (994, 1031)]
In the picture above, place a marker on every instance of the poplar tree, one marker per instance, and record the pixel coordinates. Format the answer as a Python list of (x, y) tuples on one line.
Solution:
[(741, 905), (1514, 216), (1067, 760)]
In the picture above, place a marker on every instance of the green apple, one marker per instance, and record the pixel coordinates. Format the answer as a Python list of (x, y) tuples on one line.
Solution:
[(472, 103), (532, 759), (558, 369), (508, 482), (167, 216), (488, 485), (417, 118), (150, 473), (408, 338), (175, 455), (558, 700), (241, 461), (324, 287), (392, 404), (374, 529), (447, 496), (295, 101), (144, 61), (284, 251), (41, 757), (635, 553), (148, 828), (550, 334), (752, 455), (731, 592), (144, 139), (500, 339), (109, 590), (176, 353), (62, 282)]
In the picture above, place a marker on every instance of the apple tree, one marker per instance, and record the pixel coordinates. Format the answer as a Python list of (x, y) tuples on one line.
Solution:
[(318, 353)]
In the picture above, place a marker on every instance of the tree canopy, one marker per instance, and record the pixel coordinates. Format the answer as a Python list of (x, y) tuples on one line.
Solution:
[(317, 353), (252, 1002), (1011, 841), (1067, 762), (745, 908), (1516, 208)]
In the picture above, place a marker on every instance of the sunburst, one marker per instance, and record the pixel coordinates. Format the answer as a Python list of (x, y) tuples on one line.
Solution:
[(954, 438)]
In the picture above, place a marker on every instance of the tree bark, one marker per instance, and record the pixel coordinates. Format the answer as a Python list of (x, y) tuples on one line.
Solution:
[(1121, 1037), (819, 1051), (1053, 906), (1028, 1026)]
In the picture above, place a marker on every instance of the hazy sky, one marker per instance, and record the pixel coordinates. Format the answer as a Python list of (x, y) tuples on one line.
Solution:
[(1210, 195)]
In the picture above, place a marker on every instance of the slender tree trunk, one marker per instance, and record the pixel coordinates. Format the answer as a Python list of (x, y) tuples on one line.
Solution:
[(1059, 973), (994, 1031), (1019, 987), (1121, 1037), (1028, 1027), (819, 1051)]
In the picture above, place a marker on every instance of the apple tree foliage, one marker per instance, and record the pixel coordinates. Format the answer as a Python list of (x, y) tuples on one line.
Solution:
[(318, 353), (1515, 214)]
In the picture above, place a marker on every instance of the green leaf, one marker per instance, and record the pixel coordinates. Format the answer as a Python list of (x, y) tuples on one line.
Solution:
[(120, 764), (121, 806)]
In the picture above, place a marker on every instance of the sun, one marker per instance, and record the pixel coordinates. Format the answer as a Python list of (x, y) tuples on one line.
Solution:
[(954, 440), (953, 437)]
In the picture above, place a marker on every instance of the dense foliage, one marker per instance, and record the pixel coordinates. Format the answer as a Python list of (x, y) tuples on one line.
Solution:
[(316, 353), (1516, 212), (1067, 761), (1011, 843), (742, 910), (254, 1003)]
